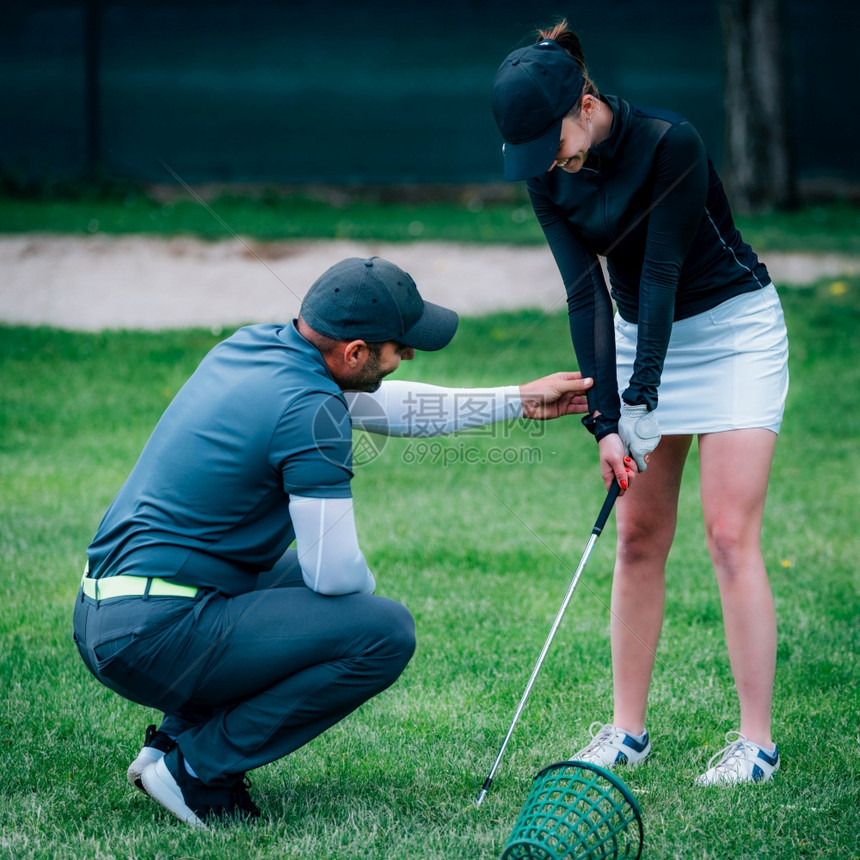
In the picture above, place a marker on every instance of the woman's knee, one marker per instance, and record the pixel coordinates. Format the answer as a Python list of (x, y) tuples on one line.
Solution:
[(644, 541), (731, 544)]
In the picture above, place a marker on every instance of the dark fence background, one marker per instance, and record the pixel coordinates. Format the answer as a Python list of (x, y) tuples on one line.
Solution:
[(368, 91)]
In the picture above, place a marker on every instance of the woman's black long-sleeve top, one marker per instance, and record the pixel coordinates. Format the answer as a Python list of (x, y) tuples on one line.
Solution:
[(649, 200)]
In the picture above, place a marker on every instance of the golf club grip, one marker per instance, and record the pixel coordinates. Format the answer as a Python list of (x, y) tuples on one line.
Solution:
[(603, 516)]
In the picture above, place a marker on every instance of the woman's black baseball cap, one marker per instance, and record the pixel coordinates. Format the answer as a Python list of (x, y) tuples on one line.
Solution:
[(533, 91)]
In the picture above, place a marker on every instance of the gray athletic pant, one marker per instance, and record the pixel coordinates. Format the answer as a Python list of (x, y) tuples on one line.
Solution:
[(245, 680)]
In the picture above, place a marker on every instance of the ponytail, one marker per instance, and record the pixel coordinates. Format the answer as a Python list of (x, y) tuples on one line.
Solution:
[(570, 42)]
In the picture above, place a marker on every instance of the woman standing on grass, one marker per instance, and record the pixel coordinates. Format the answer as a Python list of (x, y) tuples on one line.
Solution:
[(697, 319)]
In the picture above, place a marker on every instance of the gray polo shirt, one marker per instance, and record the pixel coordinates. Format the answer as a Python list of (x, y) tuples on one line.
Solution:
[(207, 503)]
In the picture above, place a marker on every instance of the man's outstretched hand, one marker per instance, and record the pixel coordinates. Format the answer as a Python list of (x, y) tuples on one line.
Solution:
[(555, 395)]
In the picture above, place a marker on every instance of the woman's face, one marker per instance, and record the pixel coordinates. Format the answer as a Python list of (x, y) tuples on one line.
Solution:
[(574, 143)]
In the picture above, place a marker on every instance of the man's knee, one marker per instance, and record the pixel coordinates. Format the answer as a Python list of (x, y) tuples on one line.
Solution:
[(394, 630), (399, 626)]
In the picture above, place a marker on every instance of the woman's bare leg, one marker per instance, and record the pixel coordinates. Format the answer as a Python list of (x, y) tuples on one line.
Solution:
[(735, 468), (645, 517)]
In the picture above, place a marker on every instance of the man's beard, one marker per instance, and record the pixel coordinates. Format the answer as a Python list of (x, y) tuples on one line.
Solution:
[(370, 377)]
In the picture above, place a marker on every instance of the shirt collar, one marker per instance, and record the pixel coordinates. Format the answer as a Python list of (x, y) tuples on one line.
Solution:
[(620, 123)]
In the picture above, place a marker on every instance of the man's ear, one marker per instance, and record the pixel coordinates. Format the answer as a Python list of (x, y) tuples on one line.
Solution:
[(355, 354)]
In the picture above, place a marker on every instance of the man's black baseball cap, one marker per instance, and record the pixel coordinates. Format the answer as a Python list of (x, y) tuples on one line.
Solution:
[(534, 89), (374, 300)]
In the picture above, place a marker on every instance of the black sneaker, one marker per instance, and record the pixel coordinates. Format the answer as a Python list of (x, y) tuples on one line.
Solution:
[(191, 800), (155, 745), (243, 806)]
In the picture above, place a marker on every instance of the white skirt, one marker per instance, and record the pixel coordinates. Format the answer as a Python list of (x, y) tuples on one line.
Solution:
[(725, 369)]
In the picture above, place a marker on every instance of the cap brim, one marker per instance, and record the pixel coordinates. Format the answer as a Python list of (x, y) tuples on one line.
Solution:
[(433, 331), (532, 157)]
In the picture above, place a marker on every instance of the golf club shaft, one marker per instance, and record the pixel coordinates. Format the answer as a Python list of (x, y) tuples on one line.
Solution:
[(602, 517)]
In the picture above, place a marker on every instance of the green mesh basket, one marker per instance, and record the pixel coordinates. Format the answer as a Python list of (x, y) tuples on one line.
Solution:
[(576, 810)]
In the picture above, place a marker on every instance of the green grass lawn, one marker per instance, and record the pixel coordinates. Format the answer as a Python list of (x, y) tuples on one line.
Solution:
[(476, 214), (481, 552)]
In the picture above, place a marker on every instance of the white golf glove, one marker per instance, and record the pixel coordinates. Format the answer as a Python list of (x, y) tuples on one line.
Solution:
[(639, 432)]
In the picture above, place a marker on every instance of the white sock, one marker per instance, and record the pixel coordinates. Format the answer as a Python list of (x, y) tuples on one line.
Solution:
[(190, 770)]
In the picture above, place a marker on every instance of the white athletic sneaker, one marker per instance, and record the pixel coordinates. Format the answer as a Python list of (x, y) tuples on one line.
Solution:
[(160, 784), (169, 782), (612, 746), (740, 761), (155, 745)]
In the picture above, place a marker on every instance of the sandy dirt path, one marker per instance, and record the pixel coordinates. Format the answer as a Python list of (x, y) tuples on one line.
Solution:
[(99, 282)]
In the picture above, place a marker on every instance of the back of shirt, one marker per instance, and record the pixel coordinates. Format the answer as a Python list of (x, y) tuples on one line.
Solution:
[(207, 503)]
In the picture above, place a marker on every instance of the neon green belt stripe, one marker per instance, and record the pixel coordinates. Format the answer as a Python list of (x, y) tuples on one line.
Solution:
[(131, 586)]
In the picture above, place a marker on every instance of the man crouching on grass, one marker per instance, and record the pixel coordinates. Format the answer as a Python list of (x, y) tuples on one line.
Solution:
[(192, 603)]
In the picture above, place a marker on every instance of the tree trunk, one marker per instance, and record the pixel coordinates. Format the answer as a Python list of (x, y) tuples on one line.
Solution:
[(758, 169)]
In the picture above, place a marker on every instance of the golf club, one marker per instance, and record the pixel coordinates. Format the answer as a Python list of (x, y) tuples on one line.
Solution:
[(602, 517)]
